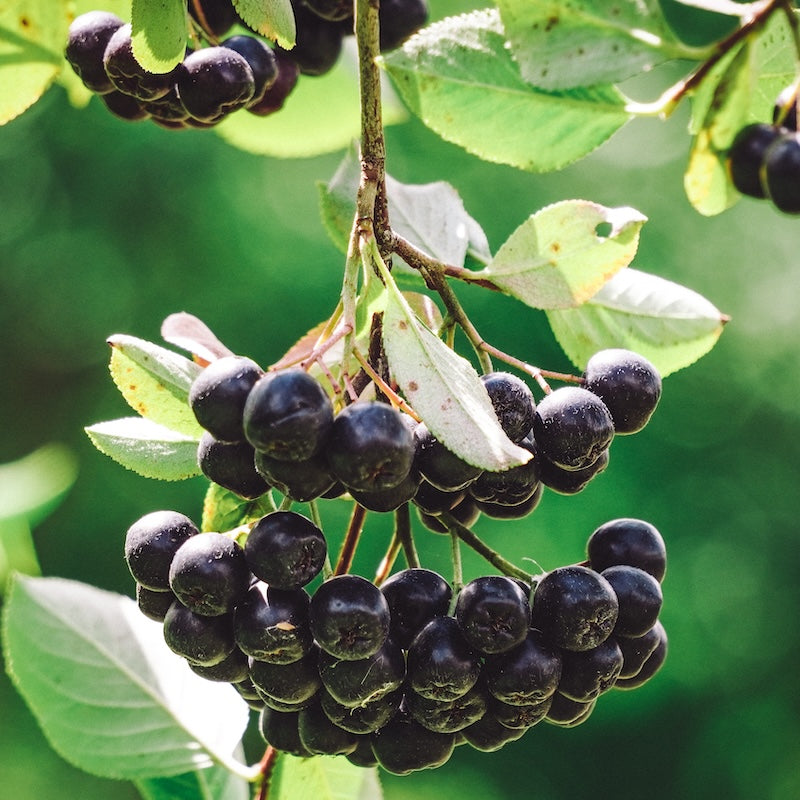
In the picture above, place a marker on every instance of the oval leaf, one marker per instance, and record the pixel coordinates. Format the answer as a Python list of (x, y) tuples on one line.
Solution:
[(147, 448), (110, 696), (158, 33), (271, 18), (444, 389), (561, 45), (155, 382), (666, 322), (223, 510), (214, 783), (458, 76), (560, 256), (323, 779), (32, 38), (192, 334)]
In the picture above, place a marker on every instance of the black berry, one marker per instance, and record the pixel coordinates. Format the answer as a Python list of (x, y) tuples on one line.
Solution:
[(89, 34), (628, 541), (154, 605), (127, 75), (403, 746), (399, 19), (200, 639), (746, 155), (261, 58), (279, 729), (639, 596), (780, 173), (438, 465), (230, 465), (513, 403), (586, 675)]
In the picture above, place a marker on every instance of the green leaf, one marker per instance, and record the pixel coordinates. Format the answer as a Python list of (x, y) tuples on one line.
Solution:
[(666, 322), (431, 216), (110, 696), (297, 131), (322, 779), (155, 382), (564, 44), (33, 34), (560, 256), (459, 77), (443, 388), (147, 448), (223, 510), (158, 33), (213, 783), (741, 89), (271, 18)]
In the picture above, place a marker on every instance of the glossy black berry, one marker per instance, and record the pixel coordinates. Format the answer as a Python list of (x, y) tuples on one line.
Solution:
[(448, 716), (349, 617), (279, 729), (218, 395), (154, 605), (361, 719), (200, 639), (493, 613), (651, 666), (88, 36), (124, 106), (384, 500), (512, 486), (628, 384), (780, 173), (370, 447), (431, 500), (216, 17), (285, 549), (529, 673), (318, 42), (214, 82), (516, 511), (292, 684), (488, 734), (275, 96), (399, 19), (639, 596), (288, 415), (572, 427), (300, 480), (520, 717), (261, 58), (513, 403), (635, 651), (354, 683), (415, 596), (466, 512), (363, 756), (574, 607), (209, 574), (784, 112), (231, 465), (746, 155), (439, 466), (628, 541), (232, 669), (570, 481), (273, 624), (567, 713), (150, 544), (322, 737), (590, 673), (403, 746), (441, 664), (127, 75)]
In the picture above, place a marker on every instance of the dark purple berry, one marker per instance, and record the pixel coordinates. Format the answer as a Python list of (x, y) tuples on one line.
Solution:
[(363, 756), (430, 500), (513, 403), (447, 716), (628, 541), (365, 718), (569, 481), (291, 684), (124, 106), (746, 155), (574, 607), (784, 112), (219, 393), (302, 481), (639, 596), (88, 36), (438, 465), (568, 713), (349, 617), (651, 666), (384, 500), (232, 669), (127, 75), (520, 717), (465, 512), (403, 746), (216, 17), (275, 96), (260, 57), (628, 384), (230, 465), (318, 42), (322, 737), (154, 605), (332, 10), (590, 673), (635, 651), (399, 19), (279, 729), (488, 734), (200, 639), (780, 173), (516, 511)]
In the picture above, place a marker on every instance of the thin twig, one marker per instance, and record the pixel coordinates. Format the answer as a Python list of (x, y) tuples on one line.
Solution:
[(402, 526), (348, 551)]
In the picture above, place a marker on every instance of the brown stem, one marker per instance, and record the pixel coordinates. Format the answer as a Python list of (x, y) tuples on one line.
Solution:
[(402, 526), (387, 562), (348, 551), (266, 767), (384, 387), (536, 373)]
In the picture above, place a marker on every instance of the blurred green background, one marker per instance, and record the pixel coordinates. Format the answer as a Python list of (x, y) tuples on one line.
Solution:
[(108, 227)]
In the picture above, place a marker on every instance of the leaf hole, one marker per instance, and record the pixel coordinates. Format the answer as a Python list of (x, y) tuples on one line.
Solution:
[(603, 230)]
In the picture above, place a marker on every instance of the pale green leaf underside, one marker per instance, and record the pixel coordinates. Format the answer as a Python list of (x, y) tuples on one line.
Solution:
[(158, 33), (110, 696), (740, 90), (223, 510), (300, 129), (32, 37), (213, 783), (444, 389), (431, 216), (33, 484), (667, 323), (562, 44), (271, 18), (149, 449), (459, 77), (155, 382), (560, 256), (322, 779)]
